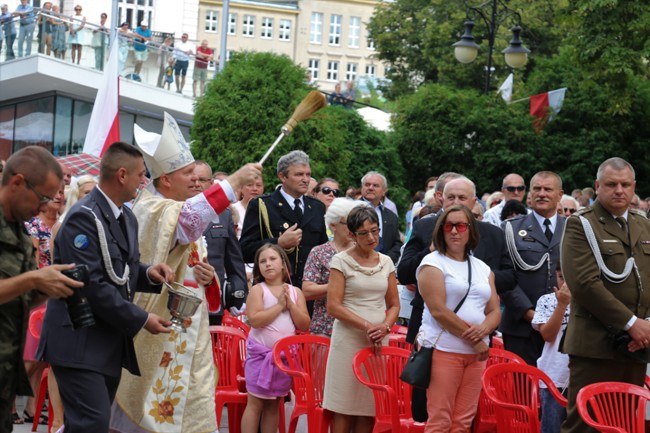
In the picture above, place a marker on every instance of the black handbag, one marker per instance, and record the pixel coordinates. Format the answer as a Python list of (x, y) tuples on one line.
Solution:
[(417, 370)]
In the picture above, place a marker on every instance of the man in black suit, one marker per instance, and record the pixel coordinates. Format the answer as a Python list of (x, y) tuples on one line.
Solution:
[(373, 190), (291, 219), (88, 361), (490, 249), (224, 251), (534, 251)]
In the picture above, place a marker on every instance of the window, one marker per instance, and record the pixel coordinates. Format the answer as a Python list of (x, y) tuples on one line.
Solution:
[(351, 74), (135, 12), (267, 28), (211, 18), (285, 30), (316, 28), (232, 24), (314, 68), (249, 26), (335, 30), (371, 43), (371, 70), (332, 70), (355, 32)]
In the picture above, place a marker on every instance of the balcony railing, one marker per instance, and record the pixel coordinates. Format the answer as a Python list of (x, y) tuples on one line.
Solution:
[(51, 37)]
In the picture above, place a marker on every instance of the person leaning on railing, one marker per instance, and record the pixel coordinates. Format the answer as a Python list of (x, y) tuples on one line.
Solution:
[(9, 29), (98, 42)]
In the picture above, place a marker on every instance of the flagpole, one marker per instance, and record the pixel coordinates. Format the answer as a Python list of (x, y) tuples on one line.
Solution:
[(521, 100)]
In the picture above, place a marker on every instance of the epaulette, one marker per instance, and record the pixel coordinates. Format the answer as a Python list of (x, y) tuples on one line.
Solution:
[(638, 212), (584, 210)]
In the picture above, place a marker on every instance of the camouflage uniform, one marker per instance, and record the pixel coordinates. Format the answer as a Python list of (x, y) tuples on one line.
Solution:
[(16, 257)]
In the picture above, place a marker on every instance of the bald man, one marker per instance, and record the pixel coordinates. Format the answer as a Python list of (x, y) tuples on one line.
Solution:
[(513, 188)]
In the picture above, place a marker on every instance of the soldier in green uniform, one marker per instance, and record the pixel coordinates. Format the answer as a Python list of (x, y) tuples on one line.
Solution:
[(606, 263), (31, 177)]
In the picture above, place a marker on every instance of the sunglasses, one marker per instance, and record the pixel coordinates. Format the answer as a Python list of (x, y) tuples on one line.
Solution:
[(460, 227), (327, 190), (519, 188), (570, 210)]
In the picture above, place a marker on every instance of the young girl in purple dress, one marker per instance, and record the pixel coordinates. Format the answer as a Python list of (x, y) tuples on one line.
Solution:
[(275, 310)]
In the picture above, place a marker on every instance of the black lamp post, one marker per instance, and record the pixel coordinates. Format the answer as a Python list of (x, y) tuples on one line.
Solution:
[(493, 13)]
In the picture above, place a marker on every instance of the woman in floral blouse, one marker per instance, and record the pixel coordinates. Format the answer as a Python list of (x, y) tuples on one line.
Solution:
[(317, 268)]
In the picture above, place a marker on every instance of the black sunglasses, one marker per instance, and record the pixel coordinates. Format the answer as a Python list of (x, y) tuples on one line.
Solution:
[(519, 188), (570, 210), (327, 190)]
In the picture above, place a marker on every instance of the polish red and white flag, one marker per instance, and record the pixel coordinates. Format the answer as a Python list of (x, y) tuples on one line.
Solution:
[(545, 106), (104, 125)]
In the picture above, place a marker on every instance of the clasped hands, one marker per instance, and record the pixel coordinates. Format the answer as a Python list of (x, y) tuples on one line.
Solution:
[(474, 335), (375, 334)]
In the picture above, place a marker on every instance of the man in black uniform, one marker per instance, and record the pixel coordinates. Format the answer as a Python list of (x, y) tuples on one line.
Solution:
[(291, 219)]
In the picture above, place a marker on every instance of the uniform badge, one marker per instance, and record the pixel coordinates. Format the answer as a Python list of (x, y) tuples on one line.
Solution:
[(285, 225), (522, 233), (81, 242)]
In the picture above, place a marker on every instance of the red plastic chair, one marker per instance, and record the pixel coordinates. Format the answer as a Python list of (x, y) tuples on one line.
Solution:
[(34, 326), (229, 351), (234, 322), (304, 357), (514, 390), (392, 396), (399, 340), (485, 420), (613, 407)]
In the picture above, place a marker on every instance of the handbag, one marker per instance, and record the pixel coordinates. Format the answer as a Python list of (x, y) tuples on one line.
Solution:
[(417, 370)]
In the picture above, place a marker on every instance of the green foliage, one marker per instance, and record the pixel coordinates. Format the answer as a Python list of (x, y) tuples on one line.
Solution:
[(247, 104)]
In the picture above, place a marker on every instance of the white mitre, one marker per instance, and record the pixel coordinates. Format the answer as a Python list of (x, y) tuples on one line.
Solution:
[(164, 153)]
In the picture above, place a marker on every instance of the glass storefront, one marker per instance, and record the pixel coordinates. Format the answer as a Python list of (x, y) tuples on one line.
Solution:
[(59, 123)]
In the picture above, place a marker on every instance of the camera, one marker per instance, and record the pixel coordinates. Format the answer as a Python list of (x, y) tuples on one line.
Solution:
[(79, 310)]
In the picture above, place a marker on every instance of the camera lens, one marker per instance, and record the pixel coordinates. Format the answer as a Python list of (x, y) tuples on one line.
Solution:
[(80, 314)]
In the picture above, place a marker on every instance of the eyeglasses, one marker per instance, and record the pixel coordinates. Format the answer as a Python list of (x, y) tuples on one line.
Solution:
[(374, 232), (460, 227), (43, 199), (520, 188), (570, 210), (327, 190), (77, 9)]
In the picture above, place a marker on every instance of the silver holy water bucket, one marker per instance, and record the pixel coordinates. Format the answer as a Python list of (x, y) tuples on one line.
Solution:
[(182, 304)]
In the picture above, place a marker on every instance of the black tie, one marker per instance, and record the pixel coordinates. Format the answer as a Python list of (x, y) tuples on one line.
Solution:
[(548, 232), (622, 222), (122, 222), (297, 210)]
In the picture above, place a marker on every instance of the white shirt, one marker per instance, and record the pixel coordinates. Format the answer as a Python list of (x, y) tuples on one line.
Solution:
[(540, 220), (493, 215), (181, 50), (456, 284), (291, 200), (552, 362)]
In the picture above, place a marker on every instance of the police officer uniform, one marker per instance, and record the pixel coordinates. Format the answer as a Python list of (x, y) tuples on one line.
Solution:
[(91, 359), (601, 308), (530, 244)]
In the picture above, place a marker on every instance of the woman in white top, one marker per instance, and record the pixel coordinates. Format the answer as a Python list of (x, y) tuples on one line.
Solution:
[(447, 277)]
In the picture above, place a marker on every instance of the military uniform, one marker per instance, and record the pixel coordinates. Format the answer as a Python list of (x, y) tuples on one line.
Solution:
[(599, 307), (16, 257), (280, 217), (531, 245)]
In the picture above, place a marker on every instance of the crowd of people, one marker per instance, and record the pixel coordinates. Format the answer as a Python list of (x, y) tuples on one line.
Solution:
[(57, 33), (561, 277)]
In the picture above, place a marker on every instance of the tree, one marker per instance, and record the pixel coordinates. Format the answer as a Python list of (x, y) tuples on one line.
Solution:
[(247, 104)]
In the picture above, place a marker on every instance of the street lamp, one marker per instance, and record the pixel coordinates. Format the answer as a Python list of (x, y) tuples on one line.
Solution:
[(493, 13)]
